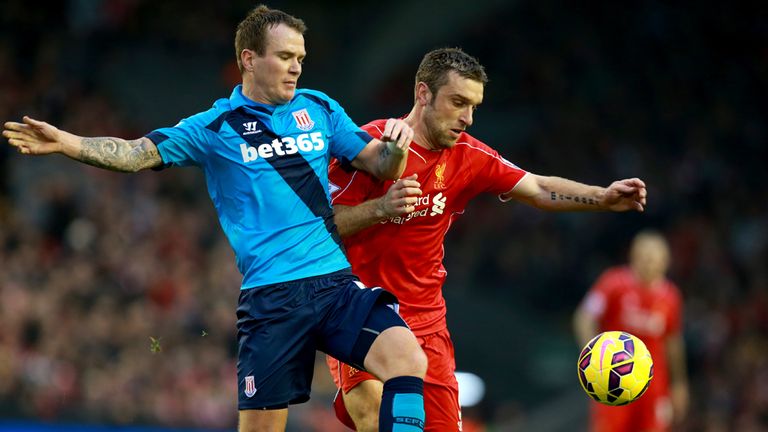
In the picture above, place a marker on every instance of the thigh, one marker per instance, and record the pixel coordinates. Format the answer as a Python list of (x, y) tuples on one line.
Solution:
[(346, 377), (262, 420), (276, 350), (352, 318)]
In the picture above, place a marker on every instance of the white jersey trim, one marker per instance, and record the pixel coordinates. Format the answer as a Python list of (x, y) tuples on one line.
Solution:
[(333, 198)]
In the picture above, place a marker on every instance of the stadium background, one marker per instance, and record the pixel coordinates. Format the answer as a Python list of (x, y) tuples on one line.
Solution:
[(93, 263)]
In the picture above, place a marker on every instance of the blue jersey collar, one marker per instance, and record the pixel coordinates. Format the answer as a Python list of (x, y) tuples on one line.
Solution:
[(238, 99)]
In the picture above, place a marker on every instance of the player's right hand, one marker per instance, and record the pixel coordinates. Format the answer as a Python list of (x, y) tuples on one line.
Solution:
[(33, 137), (398, 135), (401, 197)]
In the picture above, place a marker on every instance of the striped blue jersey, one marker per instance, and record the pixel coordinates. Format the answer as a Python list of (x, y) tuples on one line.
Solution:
[(266, 168)]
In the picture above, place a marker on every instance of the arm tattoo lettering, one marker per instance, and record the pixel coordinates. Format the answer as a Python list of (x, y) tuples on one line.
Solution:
[(117, 154), (554, 196)]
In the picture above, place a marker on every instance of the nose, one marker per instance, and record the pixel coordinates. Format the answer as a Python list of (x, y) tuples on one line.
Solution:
[(466, 116), (295, 67)]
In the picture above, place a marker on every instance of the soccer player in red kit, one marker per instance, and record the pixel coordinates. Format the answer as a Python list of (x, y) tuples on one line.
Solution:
[(639, 299), (394, 231)]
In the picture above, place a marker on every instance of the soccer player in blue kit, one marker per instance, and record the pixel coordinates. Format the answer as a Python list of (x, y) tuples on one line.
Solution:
[(265, 152)]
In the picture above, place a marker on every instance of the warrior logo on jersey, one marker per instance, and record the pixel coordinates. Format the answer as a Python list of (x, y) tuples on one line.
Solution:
[(333, 188), (440, 176), (250, 386), (303, 121)]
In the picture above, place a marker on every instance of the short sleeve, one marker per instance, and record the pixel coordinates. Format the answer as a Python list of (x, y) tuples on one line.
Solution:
[(185, 144), (492, 173), (348, 139), (596, 301)]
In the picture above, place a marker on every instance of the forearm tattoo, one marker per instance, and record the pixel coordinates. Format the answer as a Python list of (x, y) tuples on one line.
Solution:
[(385, 152), (117, 154), (554, 196)]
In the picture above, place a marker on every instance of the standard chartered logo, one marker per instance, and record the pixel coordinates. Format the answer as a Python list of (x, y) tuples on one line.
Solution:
[(284, 146), (438, 207), (438, 204)]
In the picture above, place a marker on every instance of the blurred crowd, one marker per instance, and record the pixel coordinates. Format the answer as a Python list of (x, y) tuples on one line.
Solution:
[(118, 292)]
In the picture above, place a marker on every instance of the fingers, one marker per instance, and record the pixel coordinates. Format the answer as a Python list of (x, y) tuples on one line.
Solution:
[(15, 139), (405, 138), (623, 188), (405, 188), (34, 123), (398, 132), (389, 128), (627, 194), (402, 197), (14, 126), (636, 182)]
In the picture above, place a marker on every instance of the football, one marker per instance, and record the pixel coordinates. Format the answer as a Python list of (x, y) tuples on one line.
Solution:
[(615, 368)]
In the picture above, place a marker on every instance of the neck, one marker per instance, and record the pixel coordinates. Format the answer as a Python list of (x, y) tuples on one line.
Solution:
[(252, 92), (420, 133)]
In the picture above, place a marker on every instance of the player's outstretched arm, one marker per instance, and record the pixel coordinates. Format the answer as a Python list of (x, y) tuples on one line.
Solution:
[(34, 137), (386, 158), (678, 376), (559, 194), (585, 325), (400, 199)]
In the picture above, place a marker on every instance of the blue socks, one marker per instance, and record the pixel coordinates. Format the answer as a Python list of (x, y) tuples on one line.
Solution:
[(402, 405)]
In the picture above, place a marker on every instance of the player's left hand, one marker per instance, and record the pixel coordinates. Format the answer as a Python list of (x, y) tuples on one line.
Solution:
[(398, 135), (623, 195)]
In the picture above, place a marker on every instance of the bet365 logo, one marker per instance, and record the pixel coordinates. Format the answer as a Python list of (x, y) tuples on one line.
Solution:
[(288, 145)]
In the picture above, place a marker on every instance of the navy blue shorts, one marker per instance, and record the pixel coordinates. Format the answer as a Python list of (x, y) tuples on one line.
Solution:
[(280, 326)]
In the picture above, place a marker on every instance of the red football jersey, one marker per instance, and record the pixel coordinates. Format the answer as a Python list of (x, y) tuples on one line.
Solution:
[(620, 302), (405, 254)]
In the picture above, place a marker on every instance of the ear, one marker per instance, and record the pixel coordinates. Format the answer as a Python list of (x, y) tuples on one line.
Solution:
[(423, 94), (246, 59)]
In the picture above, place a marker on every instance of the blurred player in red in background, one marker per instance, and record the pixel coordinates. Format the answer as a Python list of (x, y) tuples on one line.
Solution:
[(394, 231), (639, 299)]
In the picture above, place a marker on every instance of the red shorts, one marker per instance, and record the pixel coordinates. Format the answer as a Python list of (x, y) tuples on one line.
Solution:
[(441, 390), (649, 413)]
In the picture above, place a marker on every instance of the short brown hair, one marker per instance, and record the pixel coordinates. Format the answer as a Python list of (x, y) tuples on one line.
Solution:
[(252, 31), (436, 64)]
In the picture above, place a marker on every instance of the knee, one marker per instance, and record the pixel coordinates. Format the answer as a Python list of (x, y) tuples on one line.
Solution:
[(409, 362), (396, 353)]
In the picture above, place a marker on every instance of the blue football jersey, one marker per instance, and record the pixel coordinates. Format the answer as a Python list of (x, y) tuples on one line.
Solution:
[(266, 168)]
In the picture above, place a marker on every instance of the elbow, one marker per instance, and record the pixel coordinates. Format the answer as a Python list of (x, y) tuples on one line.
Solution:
[(389, 173)]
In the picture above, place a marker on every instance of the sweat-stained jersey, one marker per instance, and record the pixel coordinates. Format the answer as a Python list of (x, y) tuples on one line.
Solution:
[(266, 168), (404, 254), (620, 302)]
